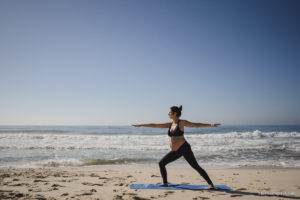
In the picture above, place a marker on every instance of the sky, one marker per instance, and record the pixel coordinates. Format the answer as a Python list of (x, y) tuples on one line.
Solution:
[(88, 62)]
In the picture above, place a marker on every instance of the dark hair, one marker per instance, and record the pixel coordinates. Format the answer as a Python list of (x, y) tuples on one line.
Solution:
[(177, 110)]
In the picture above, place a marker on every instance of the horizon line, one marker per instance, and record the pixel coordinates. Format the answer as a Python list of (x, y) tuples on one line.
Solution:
[(137, 127)]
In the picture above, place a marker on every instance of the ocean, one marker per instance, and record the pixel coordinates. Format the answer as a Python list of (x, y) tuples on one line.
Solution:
[(91, 146)]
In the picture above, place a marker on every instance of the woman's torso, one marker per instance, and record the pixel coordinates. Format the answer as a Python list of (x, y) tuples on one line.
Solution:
[(176, 134)]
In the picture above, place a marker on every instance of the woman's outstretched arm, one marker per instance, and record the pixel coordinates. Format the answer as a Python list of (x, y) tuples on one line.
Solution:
[(152, 125), (192, 124)]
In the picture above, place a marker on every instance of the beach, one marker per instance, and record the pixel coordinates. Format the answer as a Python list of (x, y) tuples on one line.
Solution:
[(113, 182)]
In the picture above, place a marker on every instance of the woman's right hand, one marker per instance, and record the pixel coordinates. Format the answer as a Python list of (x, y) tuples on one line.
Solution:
[(136, 125)]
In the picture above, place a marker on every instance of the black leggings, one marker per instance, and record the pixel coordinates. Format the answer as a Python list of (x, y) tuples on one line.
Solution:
[(187, 153)]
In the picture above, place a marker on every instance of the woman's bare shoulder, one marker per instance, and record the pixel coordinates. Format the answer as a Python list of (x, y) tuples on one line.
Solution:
[(185, 122)]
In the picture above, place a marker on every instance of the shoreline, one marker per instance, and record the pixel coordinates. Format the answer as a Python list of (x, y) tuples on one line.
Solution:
[(113, 182), (155, 165)]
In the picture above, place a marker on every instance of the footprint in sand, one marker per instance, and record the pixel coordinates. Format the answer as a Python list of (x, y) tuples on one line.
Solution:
[(118, 197), (94, 175), (11, 195), (6, 190), (40, 197), (19, 184), (4, 175), (236, 195), (39, 180), (168, 192), (57, 175), (139, 198), (57, 185), (130, 193), (65, 194), (41, 176), (85, 193), (91, 184), (102, 178), (202, 198)]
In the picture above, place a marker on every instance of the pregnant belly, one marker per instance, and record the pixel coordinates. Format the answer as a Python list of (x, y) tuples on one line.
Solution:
[(176, 142)]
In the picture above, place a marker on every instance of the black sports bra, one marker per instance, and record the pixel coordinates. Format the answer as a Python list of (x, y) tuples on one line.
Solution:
[(176, 132)]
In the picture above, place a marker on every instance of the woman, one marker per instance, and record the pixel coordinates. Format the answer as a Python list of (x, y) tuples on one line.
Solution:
[(179, 146)]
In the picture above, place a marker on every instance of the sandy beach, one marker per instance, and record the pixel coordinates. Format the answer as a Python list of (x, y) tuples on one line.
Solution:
[(114, 183)]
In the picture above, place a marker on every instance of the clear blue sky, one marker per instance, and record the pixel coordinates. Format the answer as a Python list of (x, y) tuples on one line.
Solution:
[(122, 62)]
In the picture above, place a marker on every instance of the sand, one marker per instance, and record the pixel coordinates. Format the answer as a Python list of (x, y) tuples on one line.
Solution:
[(107, 182)]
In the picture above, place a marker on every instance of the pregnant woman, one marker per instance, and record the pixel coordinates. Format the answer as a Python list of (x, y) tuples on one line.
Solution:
[(179, 146)]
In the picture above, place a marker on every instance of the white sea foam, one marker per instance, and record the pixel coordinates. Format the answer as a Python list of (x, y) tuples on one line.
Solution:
[(70, 162), (200, 142), (72, 147)]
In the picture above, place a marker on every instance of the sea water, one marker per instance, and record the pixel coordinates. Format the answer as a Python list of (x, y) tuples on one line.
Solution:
[(83, 146)]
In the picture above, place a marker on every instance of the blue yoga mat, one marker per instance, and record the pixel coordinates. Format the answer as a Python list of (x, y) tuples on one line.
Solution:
[(177, 187)]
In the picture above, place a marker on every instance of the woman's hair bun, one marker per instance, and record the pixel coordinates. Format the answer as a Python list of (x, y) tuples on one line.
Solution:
[(177, 110)]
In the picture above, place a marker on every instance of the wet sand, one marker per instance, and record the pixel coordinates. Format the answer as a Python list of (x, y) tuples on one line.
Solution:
[(114, 183)]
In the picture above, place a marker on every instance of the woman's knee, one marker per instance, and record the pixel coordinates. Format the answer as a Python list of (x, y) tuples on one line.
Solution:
[(161, 163)]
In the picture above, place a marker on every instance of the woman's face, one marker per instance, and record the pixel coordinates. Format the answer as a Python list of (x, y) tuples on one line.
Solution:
[(171, 114)]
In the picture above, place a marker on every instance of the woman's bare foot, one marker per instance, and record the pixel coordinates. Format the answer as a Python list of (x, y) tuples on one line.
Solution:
[(211, 187)]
